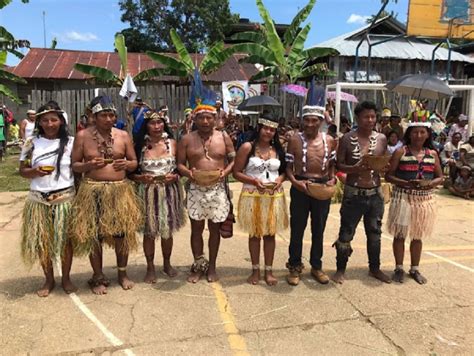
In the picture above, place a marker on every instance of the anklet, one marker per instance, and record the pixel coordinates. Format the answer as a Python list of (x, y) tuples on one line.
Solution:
[(268, 268), (255, 267), (122, 269)]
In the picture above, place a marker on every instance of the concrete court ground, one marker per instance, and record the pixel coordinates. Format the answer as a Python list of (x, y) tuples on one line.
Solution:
[(361, 317)]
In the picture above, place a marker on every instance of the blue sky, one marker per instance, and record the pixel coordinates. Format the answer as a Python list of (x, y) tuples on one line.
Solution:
[(91, 24)]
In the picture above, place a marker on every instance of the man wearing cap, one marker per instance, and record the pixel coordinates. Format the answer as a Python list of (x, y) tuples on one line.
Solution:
[(460, 127), (309, 160), (207, 151), (105, 208), (363, 196), (384, 120), (27, 126)]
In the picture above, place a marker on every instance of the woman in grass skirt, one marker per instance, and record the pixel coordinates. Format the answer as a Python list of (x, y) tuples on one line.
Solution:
[(160, 190), (262, 211), (46, 160)]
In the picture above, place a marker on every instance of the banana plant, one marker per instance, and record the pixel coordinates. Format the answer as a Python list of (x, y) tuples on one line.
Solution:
[(183, 66), (283, 60), (8, 44)]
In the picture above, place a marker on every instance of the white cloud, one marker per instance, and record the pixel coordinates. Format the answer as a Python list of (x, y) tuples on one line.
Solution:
[(74, 36), (357, 19)]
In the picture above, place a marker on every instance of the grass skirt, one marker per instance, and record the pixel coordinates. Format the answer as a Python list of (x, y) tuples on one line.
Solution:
[(163, 207), (103, 211), (44, 231), (412, 213), (262, 214)]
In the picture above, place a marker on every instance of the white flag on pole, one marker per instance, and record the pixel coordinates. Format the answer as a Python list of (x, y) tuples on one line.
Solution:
[(128, 90)]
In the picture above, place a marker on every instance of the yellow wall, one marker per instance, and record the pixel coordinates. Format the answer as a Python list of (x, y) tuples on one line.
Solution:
[(425, 19)]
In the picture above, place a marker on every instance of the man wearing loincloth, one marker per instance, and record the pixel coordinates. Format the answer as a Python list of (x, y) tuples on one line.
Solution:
[(205, 149), (310, 158), (105, 208), (363, 196)]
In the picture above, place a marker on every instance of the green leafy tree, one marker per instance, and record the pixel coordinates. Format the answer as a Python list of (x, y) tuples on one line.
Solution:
[(283, 60), (198, 23)]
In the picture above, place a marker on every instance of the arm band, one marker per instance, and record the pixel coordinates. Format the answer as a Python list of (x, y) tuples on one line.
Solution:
[(289, 158)]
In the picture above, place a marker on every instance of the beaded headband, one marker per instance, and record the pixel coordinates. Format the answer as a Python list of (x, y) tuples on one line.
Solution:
[(201, 108), (47, 111), (98, 108), (315, 110), (268, 123)]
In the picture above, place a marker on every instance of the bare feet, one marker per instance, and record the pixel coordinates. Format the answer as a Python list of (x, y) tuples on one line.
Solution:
[(212, 275), (99, 284), (47, 287), (150, 276), (124, 281), (378, 274), (270, 279), (338, 277), (254, 278), (194, 277), (170, 271), (67, 285)]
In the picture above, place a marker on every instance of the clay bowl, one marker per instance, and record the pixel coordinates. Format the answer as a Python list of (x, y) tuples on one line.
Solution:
[(423, 183), (206, 178), (377, 163), (47, 169), (321, 191)]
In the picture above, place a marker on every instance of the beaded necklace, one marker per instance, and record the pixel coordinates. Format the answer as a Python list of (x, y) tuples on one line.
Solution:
[(305, 151), (105, 146)]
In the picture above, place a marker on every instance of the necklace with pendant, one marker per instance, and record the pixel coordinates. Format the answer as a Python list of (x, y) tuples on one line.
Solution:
[(105, 146), (206, 148)]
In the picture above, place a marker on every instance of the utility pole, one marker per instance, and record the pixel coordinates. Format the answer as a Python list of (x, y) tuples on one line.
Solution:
[(44, 28)]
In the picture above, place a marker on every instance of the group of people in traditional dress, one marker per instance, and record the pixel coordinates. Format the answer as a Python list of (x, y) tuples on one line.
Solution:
[(82, 193)]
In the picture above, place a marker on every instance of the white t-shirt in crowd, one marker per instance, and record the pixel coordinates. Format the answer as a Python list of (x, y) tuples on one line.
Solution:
[(45, 153)]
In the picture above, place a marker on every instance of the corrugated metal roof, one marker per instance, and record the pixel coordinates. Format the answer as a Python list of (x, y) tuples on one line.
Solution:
[(401, 48), (44, 63)]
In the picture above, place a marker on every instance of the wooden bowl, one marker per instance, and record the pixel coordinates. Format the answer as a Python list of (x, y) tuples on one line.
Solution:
[(206, 178), (108, 161), (269, 185), (159, 179), (47, 169), (377, 163), (321, 191)]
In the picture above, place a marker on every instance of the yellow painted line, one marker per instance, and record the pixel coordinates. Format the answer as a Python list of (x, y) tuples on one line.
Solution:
[(236, 341)]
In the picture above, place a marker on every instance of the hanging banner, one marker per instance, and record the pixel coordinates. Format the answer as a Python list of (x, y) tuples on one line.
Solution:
[(235, 92)]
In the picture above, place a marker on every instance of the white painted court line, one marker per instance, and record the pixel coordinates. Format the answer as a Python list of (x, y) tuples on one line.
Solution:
[(115, 341), (445, 259)]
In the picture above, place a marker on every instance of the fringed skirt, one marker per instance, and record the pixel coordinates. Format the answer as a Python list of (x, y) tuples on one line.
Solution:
[(412, 213), (163, 208), (104, 211), (262, 214), (45, 226)]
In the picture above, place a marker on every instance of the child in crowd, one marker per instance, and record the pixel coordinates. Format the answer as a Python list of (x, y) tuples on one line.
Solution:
[(464, 184)]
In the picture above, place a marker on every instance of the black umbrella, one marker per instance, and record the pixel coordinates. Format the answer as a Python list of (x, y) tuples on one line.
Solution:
[(258, 101), (420, 86)]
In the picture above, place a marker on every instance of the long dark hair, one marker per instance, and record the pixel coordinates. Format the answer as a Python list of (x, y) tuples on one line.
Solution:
[(427, 144), (63, 134), (275, 143), (140, 139)]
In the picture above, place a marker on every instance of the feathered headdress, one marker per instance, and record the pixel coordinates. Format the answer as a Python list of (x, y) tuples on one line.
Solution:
[(202, 99)]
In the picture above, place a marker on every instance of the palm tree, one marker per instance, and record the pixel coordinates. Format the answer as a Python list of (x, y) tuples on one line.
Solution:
[(283, 60)]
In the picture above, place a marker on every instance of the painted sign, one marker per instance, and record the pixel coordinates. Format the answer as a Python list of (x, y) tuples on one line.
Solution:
[(441, 18)]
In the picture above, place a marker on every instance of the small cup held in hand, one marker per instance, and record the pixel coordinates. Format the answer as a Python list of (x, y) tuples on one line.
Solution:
[(47, 169)]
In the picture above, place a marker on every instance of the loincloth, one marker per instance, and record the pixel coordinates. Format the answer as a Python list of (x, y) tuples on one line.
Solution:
[(208, 203)]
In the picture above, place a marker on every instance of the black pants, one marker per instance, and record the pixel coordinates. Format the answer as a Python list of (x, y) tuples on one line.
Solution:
[(300, 207), (353, 208)]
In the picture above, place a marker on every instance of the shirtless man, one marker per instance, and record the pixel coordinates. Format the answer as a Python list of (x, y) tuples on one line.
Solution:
[(205, 149), (362, 193), (309, 159), (105, 208)]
